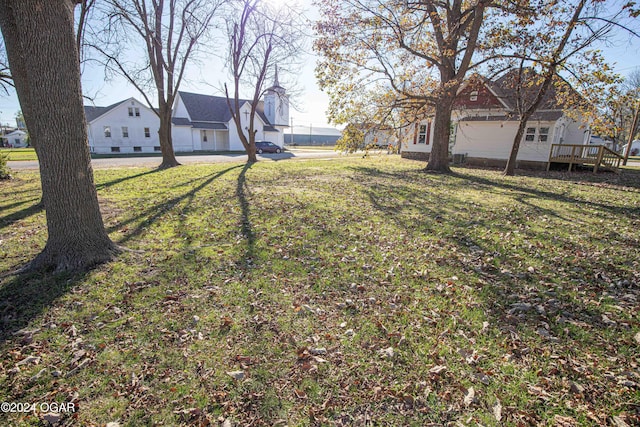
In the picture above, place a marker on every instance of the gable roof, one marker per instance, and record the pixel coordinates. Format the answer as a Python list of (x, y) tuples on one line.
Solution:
[(213, 109), (505, 88), (92, 112)]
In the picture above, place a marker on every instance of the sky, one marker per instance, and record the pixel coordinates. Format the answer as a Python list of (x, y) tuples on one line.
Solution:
[(208, 74)]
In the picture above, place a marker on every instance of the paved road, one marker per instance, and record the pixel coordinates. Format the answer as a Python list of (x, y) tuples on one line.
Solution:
[(210, 158), (150, 162)]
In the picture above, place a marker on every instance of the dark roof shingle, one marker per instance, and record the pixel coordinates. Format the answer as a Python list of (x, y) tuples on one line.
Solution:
[(213, 109)]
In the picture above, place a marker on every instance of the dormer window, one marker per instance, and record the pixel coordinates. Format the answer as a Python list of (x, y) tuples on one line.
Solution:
[(473, 96)]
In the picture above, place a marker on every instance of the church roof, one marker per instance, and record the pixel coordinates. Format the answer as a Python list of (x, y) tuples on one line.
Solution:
[(92, 112), (212, 109)]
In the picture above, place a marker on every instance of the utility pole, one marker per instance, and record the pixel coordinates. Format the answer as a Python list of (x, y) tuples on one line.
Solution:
[(632, 132), (291, 134)]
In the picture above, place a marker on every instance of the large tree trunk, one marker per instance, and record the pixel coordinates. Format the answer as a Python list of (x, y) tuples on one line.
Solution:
[(41, 48), (439, 157), (164, 133)]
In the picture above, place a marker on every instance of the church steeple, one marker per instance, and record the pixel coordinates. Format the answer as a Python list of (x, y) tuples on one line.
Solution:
[(276, 103), (276, 83)]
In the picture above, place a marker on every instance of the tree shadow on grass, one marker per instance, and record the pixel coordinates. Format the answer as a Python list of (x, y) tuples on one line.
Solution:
[(24, 297), (155, 212), (124, 179), (38, 207), (10, 219), (246, 227)]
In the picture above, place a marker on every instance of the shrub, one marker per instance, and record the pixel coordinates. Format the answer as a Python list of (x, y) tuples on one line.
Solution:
[(4, 168)]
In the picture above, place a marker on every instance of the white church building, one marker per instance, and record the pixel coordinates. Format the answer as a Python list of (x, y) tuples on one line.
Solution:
[(199, 123)]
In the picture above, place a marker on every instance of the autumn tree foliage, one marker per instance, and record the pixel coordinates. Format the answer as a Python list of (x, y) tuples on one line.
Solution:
[(420, 51), (150, 43), (352, 139), (551, 48)]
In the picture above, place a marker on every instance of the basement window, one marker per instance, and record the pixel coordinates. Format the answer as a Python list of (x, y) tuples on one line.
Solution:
[(137, 149), (115, 149), (157, 148)]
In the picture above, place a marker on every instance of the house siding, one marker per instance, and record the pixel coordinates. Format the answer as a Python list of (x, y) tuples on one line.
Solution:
[(116, 119)]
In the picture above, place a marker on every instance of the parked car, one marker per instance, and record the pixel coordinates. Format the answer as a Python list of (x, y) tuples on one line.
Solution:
[(267, 147)]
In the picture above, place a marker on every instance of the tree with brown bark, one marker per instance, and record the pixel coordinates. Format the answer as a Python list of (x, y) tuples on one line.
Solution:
[(261, 38), (421, 49), (556, 43), (42, 52), (167, 35)]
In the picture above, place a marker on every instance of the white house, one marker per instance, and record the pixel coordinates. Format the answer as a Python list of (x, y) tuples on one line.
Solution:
[(483, 127), (17, 138), (128, 126), (204, 122), (199, 123)]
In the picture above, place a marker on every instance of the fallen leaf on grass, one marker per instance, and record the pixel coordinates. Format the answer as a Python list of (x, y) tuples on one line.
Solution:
[(470, 397), (386, 353), (438, 369), (561, 421), (29, 359), (497, 410), (236, 375)]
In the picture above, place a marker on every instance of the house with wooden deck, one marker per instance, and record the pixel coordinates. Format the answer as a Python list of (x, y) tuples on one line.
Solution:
[(484, 123)]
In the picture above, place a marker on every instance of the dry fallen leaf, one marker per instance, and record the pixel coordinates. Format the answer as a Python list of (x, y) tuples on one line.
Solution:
[(236, 375), (561, 421), (497, 410), (438, 369), (469, 397)]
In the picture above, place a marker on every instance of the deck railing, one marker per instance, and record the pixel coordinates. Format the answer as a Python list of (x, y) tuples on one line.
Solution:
[(596, 155)]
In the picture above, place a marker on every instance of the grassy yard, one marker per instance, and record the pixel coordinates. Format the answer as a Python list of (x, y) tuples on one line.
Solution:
[(18, 154), (345, 292)]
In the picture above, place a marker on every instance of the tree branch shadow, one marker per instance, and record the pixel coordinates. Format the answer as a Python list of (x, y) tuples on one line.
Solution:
[(26, 296), (155, 212)]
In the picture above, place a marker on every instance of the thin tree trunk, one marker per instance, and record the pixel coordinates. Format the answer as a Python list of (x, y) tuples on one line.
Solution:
[(509, 169), (41, 47), (251, 153), (164, 134), (439, 157)]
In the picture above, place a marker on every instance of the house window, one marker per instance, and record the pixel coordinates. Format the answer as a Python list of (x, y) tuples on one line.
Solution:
[(530, 134), (137, 149), (115, 149), (130, 111), (204, 135), (137, 112), (422, 135), (107, 131), (157, 148), (473, 96), (125, 132), (543, 135), (147, 133)]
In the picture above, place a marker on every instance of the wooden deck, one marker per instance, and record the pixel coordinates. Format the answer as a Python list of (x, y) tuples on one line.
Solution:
[(597, 155)]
